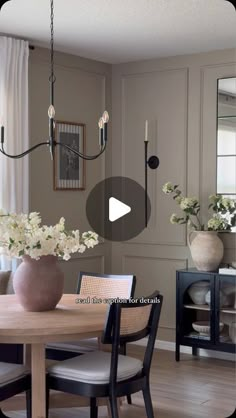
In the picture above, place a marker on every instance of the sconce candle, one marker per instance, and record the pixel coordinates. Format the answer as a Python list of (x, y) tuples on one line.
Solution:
[(101, 132), (151, 162), (146, 131), (105, 118), (2, 134)]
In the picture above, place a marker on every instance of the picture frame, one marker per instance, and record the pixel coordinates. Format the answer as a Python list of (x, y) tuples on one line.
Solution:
[(69, 169)]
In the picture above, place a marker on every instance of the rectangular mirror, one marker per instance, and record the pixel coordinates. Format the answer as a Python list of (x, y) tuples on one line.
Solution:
[(226, 137)]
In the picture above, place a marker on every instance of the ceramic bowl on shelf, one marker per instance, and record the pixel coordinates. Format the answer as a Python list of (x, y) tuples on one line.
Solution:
[(232, 332), (225, 299), (204, 328), (197, 292)]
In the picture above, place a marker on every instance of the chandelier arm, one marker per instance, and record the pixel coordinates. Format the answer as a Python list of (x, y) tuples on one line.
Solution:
[(23, 154), (83, 156)]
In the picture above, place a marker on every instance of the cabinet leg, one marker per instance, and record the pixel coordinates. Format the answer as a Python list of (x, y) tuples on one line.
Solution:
[(194, 351), (177, 352)]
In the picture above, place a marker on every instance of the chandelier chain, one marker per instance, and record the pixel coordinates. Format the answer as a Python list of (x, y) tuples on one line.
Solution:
[(52, 77)]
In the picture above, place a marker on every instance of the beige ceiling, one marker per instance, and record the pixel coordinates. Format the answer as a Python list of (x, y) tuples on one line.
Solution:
[(116, 31)]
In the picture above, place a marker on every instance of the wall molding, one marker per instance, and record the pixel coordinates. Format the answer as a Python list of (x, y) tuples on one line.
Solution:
[(151, 237)]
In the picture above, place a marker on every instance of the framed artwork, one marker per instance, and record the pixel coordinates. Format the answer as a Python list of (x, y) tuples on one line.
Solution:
[(69, 169)]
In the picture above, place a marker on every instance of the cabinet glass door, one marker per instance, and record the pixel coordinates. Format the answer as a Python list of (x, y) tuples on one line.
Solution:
[(197, 318), (226, 309)]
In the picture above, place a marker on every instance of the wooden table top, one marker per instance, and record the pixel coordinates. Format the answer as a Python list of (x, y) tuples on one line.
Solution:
[(69, 321)]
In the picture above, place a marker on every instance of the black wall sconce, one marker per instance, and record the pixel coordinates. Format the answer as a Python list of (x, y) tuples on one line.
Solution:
[(151, 162)]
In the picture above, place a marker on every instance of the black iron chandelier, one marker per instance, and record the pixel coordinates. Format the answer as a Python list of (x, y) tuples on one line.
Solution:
[(51, 142)]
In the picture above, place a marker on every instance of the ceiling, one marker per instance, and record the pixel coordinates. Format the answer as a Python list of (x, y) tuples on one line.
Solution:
[(116, 31)]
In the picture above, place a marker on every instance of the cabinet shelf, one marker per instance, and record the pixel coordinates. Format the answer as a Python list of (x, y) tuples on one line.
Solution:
[(197, 307), (228, 310), (227, 117)]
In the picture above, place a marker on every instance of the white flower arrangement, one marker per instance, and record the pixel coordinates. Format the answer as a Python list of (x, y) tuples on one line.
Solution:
[(22, 234), (223, 211)]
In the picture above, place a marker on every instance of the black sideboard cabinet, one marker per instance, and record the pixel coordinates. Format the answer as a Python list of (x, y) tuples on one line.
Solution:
[(188, 312)]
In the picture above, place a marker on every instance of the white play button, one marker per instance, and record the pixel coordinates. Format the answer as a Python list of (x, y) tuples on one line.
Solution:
[(117, 209)]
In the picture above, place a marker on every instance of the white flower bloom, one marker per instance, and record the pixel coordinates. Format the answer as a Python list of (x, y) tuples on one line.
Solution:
[(174, 219), (217, 223), (168, 188), (228, 203), (213, 198), (179, 199), (188, 202), (23, 235)]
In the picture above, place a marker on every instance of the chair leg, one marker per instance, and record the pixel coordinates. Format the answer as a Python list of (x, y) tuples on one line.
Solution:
[(28, 404), (93, 408), (148, 402), (114, 408), (129, 400), (47, 400), (2, 415)]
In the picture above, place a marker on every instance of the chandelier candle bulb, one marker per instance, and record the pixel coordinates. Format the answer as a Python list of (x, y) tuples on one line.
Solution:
[(146, 131), (51, 112)]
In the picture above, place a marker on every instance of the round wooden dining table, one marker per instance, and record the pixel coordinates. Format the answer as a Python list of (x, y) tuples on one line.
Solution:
[(75, 317)]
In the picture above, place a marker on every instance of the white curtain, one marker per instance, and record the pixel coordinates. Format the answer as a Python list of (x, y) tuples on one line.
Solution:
[(14, 174)]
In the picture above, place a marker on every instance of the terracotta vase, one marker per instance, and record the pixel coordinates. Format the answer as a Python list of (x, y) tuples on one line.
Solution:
[(38, 284), (206, 249)]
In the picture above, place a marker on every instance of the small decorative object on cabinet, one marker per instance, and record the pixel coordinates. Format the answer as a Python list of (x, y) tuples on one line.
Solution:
[(218, 334), (232, 332), (207, 250), (198, 292)]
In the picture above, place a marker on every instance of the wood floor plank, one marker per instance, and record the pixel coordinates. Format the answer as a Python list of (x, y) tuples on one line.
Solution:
[(192, 388)]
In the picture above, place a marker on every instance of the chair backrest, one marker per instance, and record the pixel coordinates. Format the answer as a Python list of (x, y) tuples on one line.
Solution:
[(9, 353), (128, 322), (6, 279), (106, 285)]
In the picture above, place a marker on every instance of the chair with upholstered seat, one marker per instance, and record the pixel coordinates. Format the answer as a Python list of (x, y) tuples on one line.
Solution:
[(14, 379), (113, 375), (102, 286)]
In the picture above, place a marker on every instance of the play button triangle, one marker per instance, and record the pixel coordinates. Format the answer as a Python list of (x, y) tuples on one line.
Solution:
[(117, 209)]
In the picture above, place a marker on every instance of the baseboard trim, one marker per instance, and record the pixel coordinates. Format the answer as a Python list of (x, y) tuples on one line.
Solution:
[(170, 346)]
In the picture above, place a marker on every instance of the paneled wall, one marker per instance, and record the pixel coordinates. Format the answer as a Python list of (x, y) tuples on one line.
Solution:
[(178, 98), (82, 92)]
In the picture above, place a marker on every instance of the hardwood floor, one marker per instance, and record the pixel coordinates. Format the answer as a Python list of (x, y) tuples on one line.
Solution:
[(192, 388)]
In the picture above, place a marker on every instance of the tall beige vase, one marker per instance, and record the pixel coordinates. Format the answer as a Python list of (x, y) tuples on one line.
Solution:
[(38, 284), (207, 250)]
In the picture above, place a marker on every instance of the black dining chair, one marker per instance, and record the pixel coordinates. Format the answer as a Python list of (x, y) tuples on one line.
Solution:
[(113, 375), (102, 286), (14, 379)]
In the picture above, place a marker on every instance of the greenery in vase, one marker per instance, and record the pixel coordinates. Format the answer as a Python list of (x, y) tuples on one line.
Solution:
[(223, 211), (23, 234)]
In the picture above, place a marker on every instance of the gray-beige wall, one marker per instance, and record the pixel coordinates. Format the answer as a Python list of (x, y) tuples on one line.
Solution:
[(177, 96), (82, 93)]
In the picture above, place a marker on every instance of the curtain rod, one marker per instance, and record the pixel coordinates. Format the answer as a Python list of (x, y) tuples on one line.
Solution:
[(32, 47)]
